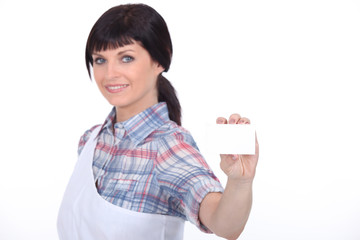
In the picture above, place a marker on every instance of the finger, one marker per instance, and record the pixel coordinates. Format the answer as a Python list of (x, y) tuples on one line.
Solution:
[(243, 120), (256, 144), (234, 118), (221, 120)]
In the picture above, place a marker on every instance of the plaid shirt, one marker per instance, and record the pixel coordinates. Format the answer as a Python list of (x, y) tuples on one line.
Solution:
[(150, 164)]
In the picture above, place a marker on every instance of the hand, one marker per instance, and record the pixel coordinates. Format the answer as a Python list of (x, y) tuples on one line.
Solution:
[(239, 167)]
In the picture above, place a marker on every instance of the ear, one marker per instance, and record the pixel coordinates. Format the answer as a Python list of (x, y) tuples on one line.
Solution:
[(159, 68)]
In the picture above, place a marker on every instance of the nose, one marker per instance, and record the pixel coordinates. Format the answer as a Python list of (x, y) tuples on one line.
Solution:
[(112, 71)]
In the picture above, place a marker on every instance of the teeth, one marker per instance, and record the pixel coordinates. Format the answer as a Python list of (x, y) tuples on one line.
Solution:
[(117, 87)]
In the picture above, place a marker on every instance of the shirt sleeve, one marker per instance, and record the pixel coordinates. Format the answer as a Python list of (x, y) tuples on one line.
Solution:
[(186, 175), (84, 138)]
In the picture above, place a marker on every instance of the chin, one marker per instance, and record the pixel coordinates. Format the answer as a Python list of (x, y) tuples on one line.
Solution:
[(116, 102)]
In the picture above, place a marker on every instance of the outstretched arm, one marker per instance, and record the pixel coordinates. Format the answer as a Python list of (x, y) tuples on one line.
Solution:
[(226, 213)]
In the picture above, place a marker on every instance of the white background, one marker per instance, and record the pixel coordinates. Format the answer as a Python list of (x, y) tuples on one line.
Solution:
[(292, 67)]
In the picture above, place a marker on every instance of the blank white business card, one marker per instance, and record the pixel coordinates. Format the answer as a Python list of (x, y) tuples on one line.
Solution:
[(231, 138)]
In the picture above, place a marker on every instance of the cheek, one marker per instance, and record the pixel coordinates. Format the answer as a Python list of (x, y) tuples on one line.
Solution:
[(98, 79), (98, 76)]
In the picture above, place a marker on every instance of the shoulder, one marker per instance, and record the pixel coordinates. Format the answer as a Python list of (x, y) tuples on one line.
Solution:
[(85, 137), (171, 132), (177, 146)]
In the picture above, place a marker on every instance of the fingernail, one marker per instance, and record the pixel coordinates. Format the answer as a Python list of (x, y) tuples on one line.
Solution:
[(232, 121), (220, 121)]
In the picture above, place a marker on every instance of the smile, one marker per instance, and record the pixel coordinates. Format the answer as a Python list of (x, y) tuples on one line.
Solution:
[(116, 88)]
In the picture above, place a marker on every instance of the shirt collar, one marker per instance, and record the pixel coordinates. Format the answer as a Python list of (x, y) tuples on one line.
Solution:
[(141, 125)]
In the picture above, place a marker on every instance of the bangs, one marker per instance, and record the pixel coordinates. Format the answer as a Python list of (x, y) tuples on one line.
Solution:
[(109, 42)]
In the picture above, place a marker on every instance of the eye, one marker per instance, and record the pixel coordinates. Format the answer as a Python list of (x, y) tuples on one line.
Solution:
[(127, 59), (99, 60)]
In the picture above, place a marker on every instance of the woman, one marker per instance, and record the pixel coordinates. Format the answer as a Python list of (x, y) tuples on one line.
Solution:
[(140, 174)]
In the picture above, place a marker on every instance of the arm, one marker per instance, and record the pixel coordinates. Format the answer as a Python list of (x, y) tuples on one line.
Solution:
[(226, 214)]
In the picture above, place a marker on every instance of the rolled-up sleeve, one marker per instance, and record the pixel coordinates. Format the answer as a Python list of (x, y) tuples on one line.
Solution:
[(185, 174)]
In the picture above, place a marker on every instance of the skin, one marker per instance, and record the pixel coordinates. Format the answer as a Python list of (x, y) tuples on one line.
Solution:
[(126, 76), (131, 69)]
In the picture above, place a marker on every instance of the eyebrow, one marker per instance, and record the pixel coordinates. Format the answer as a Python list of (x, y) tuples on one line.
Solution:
[(119, 53)]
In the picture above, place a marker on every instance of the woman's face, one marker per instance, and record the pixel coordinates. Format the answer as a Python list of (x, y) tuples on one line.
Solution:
[(127, 76)]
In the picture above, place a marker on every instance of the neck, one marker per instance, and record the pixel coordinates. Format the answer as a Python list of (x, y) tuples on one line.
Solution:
[(125, 113)]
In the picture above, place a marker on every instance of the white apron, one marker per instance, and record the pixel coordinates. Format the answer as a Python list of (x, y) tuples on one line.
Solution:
[(85, 215)]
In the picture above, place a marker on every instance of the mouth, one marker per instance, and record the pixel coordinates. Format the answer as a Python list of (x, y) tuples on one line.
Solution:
[(116, 88)]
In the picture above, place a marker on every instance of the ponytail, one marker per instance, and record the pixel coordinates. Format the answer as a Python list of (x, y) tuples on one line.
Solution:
[(167, 93)]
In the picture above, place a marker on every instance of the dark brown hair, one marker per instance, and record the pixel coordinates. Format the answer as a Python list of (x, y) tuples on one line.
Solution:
[(124, 24)]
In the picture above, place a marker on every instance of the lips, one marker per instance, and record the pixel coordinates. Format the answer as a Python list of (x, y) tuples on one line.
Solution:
[(116, 88)]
